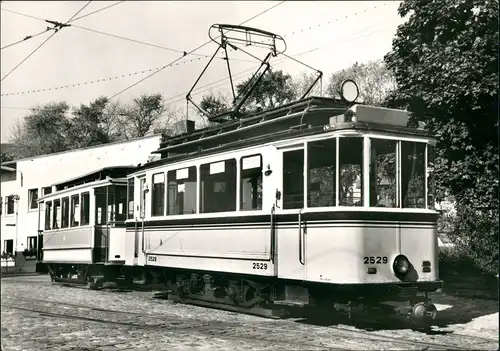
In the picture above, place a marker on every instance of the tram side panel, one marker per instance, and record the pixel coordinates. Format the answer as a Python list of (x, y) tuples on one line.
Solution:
[(243, 248), (68, 246)]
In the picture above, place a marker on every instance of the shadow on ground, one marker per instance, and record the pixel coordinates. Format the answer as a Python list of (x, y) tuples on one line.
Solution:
[(462, 310)]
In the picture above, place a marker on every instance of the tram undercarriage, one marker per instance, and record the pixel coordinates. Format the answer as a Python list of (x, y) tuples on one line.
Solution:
[(266, 297)]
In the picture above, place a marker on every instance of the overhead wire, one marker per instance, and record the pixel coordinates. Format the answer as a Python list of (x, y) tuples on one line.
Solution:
[(158, 68), (190, 52), (26, 38), (39, 46), (96, 11)]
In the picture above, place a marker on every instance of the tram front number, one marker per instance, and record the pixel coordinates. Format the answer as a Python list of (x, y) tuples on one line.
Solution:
[(373, 259), (152, 259)]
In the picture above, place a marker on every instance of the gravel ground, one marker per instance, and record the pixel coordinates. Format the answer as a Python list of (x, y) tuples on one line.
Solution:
[(39, 315)]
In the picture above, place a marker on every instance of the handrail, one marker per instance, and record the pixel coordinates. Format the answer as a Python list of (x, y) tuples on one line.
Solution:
[(301, 258), (273, 235)]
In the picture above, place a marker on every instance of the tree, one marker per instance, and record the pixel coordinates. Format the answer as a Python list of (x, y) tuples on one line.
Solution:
[(88, 125), (373, 78), (274, 89), (302, 82), (143, 115), (45, 130), (445, 61), (215, 104)]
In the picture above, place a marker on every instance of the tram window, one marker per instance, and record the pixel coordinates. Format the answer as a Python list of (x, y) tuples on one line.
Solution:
[(85, 209), (182, 191), (413, 174), (158, 195), (351, 171), (121, 201), (65, 213), (56, 214), (48, 214), (321, 164), (218, 186), (75, 211), (130, 198), (431, 180), (383, 173), (293, 179), (251, 183)]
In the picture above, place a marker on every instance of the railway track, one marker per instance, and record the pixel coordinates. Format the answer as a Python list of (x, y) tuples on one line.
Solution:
[(266, 331)]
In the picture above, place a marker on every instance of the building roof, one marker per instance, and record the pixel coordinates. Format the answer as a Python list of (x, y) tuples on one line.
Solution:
[(156, 135)]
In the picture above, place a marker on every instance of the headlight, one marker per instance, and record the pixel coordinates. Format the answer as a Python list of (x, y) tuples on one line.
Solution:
[(401, 265)]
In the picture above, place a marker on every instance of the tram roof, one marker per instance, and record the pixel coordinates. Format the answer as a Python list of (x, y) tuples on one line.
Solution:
[(306, 117), (95, 175)]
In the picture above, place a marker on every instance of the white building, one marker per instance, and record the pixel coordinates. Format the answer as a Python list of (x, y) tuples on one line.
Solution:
[(24, 180)]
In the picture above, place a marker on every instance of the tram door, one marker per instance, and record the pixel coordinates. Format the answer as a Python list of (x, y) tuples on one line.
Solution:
[(140, 216), (290, 201)]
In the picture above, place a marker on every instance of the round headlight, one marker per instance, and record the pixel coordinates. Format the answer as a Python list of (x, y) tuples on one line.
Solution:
[(401, 265)]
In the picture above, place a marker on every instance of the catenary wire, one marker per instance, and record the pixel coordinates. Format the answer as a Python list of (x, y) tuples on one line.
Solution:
[(25, 39), (143, 71), (39, 46), (190, 52), (96, 11)]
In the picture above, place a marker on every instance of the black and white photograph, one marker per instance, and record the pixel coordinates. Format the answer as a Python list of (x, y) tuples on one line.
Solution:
[(249, 175)]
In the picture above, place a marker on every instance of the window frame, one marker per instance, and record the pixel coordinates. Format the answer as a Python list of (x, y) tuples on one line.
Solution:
[(239, 173), (82, 208), (30, 199), (54, 213), (130, 194), (235, 181), (48, 221), (72, 211), (10, 199), (65, 211), (163, 197), (169, 178)]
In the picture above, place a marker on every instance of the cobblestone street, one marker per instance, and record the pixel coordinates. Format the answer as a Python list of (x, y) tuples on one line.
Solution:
[(37, 315)]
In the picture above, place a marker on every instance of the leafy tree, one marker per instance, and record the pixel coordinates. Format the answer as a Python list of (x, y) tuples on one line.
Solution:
[(215, 104), (88, 124), (373, 78), (302, 82), (274, 89), (45, 130), (445, 61), (139, 118)]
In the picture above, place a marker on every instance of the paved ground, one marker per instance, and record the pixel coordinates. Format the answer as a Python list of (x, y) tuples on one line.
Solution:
[(37, 315)]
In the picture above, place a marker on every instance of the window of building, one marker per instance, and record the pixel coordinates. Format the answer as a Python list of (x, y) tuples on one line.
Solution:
[(158, 195), (383, 173), (218, 186), (130, 198), (182, 191), (75, 211), (85, 209), (413, 174), (350, 171), (431, 177), (10, 204), (31, 244), (321, 157), (33, 197), (251, 183), (56, 218), (293, 179), (65, 213), (47, 190), (48, 214), (8, 246)]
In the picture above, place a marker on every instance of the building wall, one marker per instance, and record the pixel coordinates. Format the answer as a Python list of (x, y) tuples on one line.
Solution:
[(44, 171)]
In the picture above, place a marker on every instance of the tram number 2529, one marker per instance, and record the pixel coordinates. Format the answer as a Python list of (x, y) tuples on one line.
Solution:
[(259, 265), (373, 259)]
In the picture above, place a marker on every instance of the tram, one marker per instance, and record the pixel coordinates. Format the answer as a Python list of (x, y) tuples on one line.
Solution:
[(319, 202)]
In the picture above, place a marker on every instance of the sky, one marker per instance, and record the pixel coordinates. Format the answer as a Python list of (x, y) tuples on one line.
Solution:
[(325, 35)]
